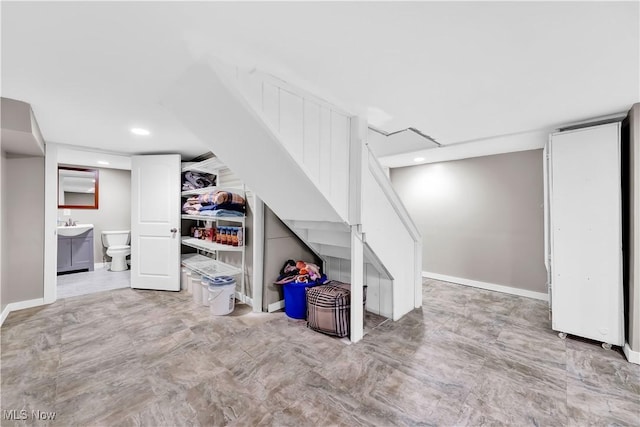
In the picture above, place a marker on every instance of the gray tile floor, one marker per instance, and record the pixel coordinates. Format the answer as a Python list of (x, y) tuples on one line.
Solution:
[(89, 282), (467, 357)]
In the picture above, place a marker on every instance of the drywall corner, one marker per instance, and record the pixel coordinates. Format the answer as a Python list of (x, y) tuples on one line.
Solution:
[(3, 234), (633, 293)]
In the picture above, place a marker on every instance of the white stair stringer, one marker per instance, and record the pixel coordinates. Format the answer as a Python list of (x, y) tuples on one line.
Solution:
[(309, 163)]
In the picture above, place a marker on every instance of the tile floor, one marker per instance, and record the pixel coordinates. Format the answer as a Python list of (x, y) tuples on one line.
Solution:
[(89, 282), (467, 357)]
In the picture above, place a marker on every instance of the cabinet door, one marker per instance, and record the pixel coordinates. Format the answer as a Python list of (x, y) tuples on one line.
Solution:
[(64, 254), (81, 253), (585, 233)]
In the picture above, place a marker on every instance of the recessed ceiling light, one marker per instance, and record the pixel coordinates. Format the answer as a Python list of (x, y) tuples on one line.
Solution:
[(103, 162), (140, 131), (418, 159)]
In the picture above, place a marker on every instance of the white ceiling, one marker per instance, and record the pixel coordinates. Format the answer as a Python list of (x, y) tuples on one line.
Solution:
[(455, 71)]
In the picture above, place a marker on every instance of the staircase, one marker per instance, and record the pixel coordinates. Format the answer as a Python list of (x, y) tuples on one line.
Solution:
[(308, 160)]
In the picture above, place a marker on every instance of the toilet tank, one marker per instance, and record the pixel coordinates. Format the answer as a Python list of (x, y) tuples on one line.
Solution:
[(116, 238)]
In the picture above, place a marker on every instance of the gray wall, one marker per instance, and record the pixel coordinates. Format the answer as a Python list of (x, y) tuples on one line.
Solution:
[(3, 227), (280, 244), (23, 233), (79, 198), (480, 218), (634, 229), (114, 212)]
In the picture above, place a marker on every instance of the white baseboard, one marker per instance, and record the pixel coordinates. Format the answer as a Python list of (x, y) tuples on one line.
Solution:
[(488, 286), (279, 305), (4, 315), (632, 356), (99, 265), (248, 301), (20, 305)]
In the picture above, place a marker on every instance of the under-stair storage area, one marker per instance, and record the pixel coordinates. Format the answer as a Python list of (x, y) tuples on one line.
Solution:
[(310, 164), (213, 225)]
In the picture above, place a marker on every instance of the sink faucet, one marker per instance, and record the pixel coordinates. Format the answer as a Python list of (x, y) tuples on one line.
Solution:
[(70, 223)]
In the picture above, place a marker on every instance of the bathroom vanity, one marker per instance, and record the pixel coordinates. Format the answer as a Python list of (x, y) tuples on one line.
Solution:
[(75, 248)]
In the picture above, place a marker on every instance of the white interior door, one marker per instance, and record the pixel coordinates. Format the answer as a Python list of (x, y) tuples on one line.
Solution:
[(155, 222)]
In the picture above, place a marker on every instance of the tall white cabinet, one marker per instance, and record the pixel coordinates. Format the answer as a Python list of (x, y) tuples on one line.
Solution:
[(583, 233)]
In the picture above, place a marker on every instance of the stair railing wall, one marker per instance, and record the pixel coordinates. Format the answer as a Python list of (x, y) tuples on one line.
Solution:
[(329, 144), (316, 134), (257, 123), (392, 236)]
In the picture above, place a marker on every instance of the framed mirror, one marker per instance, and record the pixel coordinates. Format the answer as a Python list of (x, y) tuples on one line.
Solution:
[(77, 188)]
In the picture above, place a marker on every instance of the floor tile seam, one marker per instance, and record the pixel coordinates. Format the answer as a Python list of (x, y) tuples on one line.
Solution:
[(341, 386), (93, 340), (521, 378), (613, 390), (542, 332), (488, 345), (393, 407), (350, 392), (463, 403), (504, 414), (593, 377), (612, 419), (522, 355), (28, 322), (410, 369)]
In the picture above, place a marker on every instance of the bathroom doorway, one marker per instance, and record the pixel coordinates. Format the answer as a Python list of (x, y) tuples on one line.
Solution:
[(89, 282), (110, 212)]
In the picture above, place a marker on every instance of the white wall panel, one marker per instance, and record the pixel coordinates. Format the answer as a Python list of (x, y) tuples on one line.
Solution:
[(391, 242), (271, 104), (311, 147), (379, 292), (338, 269), (339, 166), (292, 123), (325, 151), (372, 280), (316, 134), (251, 89)]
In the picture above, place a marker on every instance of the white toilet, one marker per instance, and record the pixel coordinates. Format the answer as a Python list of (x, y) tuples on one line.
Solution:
[(117, 244)]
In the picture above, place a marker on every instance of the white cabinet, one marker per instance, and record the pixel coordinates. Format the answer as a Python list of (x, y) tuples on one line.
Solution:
[(208, 259), (583, 236)]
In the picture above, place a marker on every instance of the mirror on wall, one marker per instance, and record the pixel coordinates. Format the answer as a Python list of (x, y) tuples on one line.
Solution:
[(77, 188)]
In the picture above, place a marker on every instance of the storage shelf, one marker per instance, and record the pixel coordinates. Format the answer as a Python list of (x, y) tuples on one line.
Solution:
[(211, 190), (209, 246), (199, 191), (238, 219), (209, 267), (212, 165)]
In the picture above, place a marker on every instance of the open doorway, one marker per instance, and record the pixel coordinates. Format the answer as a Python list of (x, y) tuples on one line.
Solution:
[(93, 221)]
